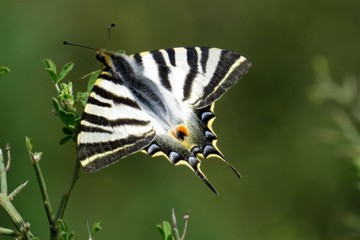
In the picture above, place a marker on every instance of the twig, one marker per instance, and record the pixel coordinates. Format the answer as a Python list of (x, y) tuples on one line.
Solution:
[(44, 192), (7, 149), (9, 232), (186, 219), (15, 216), (175, 227), (16, 191), (66, 195), (3, 182)]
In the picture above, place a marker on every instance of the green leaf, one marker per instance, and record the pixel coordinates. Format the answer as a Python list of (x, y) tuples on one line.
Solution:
[(64, 232), (82, 97), (62, 225), (56, 105), (77, 121), (65, 139), (29, 145), (92, 80), (64, 71), (68, 131), (67, 118), (96, 228), (51, 69), (4, 70), (165, 230)]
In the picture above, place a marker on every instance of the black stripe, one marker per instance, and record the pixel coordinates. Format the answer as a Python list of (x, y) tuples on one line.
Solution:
[(204, 58), (93, 129), (138, 58), (116, 99), (123, 67), (227, 59), (96, 102), (162, 68), (99, 120), (171, 54), (192, 60), (86, 150), (105, 75)]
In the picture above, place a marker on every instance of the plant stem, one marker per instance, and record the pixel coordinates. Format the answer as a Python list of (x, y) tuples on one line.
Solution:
[(14, 215), (175, 227), (66, 195), (16, 191), (9, 232), (44, 193), (3, 182), (186, 219)]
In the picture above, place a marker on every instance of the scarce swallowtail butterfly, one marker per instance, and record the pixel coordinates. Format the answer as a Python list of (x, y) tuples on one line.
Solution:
[(159, 102)]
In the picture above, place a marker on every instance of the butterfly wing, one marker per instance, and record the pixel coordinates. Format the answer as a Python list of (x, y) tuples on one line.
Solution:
[(113, 125), (197, 75)]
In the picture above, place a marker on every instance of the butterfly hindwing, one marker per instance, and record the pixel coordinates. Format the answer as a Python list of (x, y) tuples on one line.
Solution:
[(113, 125)]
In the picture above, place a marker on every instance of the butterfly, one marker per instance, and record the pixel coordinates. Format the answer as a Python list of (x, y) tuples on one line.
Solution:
[(158, 102)]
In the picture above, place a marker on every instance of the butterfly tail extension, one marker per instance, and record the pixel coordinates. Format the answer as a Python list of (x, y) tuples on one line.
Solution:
[(207, 116), (202, 176)]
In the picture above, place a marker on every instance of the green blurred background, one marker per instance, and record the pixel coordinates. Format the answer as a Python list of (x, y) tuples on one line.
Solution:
[(294, 186)]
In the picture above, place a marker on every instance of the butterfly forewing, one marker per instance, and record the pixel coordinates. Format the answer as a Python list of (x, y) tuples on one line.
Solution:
[(197, 76), (160, 102), (113, 125)]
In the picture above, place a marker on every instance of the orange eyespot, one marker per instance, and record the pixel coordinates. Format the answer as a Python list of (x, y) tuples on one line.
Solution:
[(180, 132), (182, 129)]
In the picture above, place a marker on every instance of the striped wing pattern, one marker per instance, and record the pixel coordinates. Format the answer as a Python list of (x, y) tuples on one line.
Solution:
[(160, 102), (196, 75), (113, 125)]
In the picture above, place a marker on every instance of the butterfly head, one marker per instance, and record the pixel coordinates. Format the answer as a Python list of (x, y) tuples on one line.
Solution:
[(104, 56)]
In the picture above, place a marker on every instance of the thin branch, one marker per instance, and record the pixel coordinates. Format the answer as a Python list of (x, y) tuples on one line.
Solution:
[(186, 219), (15, 216), (66, 195), (7, 149), (16, 191), (9, 232), (175, 227), (43, 189), (3, 181)]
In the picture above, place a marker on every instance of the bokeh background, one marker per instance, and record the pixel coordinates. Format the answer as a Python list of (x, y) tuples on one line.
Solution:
[(294, 185)]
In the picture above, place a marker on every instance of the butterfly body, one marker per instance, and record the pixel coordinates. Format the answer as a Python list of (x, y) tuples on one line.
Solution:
[(160, 102)]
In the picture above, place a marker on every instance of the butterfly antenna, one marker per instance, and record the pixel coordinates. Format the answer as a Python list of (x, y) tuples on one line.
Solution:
[(77, 45), (109, 29)]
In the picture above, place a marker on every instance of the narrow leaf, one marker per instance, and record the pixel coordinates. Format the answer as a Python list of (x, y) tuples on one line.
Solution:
[(161, 230), (82, 97), (92, 80), (68, 131), (29, 145), (96, 228), (65, 140), (4, 70), (64, 71), (51, 69)]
